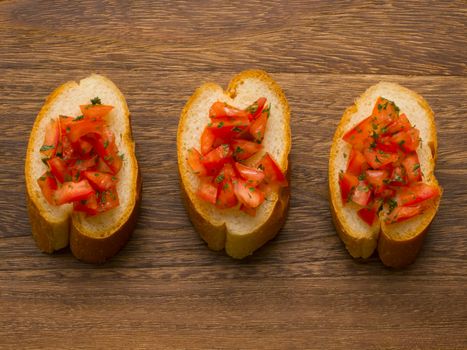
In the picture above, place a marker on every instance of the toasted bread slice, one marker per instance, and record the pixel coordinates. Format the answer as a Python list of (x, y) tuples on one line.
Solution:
[(398, 244), (92, 238), (237, 232)]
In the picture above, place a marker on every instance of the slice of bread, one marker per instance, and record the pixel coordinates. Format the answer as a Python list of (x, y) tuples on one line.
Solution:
[(91, 238), (398, 244), (237, 232)]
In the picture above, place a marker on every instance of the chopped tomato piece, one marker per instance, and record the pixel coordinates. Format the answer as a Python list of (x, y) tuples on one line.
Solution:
[(207, 190), (227, 173), (215, 160), (48, 185), (85, 147), (399, 214), (247, 194), (248, 210), (88, 206), (358, 135), (100, 181), (378, 158), (258, 127), (95, 111), (102, 166), (412, 167), (385, 112), (368, 215), (82, 127), (221, 110), (207, 140), (385, 144), (52, 135), (59, 169), (357, 162), (256, 108), (194, 161), (376, 178), (272, 172), (418, 192), (73, 191), (400, 123), (228, 128), (361, 194), (107, 200), (398, 177), (106, 148), (226, 197), (347, 182), (408, 141), (85, 164), (252, 175), (243, 149)]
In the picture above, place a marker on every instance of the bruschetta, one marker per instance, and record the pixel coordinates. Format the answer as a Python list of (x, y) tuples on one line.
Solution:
[(83, 184), (233, 149), (383, 190)]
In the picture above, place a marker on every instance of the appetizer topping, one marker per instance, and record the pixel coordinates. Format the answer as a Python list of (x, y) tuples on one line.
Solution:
[(82, 160), (383, 169), (228, 175)]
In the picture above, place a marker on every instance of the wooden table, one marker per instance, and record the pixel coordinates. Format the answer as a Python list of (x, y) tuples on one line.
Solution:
[(165, 289)]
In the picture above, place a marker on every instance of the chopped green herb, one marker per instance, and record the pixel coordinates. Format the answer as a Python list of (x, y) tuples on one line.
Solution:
[(103, 197), (237, 129), (42, 178), (384, 129), (361, 177), (375, 135), (67, 129), (373, 144), (220, 125), (46, 148), (380, 107), (252, 189), (96, 101), (121, 155), (392, 204), (416, 167), (253, 108), (209, 124), (219, 178), (96, 174), (44, 160), (226, 186), (114, 178), (106, 143), (377, 160), (401, 142), (78, 118), (238, 150)]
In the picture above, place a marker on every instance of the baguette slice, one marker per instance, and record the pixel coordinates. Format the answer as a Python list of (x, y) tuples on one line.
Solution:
[(230, 229), (397, 244), (91, 238)]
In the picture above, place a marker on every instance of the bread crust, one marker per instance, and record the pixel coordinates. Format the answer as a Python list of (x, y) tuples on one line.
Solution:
[(54, 235), (394, 250), (218, 237)]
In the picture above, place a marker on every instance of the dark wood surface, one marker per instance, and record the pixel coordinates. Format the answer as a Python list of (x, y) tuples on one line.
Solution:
[(165, 289)]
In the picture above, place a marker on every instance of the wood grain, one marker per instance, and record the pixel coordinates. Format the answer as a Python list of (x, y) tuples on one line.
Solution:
[(166, 289)]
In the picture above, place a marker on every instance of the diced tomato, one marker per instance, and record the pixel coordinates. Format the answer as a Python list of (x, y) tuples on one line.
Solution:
[(272, 172), (85, 147), (226, 197), (207, 140), (412, 167), (82, 127), (85, 164), (358, 135), (52, 135), (95, 111), (207, 190), (221, 110), (386, 192), (347, 184), (398, 176), (59, 169), (376, 179), (215, 160), (256, 108), (357, 162), (48, 185), (73, 191), (194, 161), (243, 149), (102, 166), (417, 192), (228, 128), (368, 215), (399, 214), (247, 194), (227, 173), (378, 158), (248, 210), (252, 175), (361, 194), (408, 141), (385, 144), (385, 112), (100, 181), (106, 148), (258, 127), (107, 200), (400, 123), (88, 206)]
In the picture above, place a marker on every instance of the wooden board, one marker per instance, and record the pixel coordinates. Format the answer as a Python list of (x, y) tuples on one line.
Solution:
[(166, 289)]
